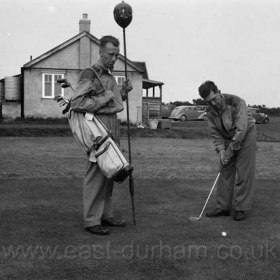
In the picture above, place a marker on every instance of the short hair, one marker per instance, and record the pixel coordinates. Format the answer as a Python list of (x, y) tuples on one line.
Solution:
[(205, 89), (109, 39)]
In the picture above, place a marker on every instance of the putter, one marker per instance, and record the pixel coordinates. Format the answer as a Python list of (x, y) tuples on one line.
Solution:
[(199, 217)]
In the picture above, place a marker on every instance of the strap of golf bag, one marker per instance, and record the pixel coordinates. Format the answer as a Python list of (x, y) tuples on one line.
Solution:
[(97, 76), (68, 107), (99, 79)]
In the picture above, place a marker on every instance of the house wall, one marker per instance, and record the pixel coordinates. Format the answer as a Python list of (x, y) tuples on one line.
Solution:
[(34, 105), (68, 58), (11, 110), (75, 56), (37, 107), (134, 98)]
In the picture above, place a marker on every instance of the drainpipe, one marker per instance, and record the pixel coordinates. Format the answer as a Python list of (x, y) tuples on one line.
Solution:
[(22, 93)]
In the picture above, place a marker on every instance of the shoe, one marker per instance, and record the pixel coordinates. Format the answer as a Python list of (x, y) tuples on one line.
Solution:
[(239, 215), (217, 213), (98, 230), (111, 222)]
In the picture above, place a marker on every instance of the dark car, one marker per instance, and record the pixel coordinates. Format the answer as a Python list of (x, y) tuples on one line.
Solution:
[(259, 117), (185, 113)]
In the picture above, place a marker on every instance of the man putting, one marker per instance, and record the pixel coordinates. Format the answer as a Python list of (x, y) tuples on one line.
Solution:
[(234, 135)]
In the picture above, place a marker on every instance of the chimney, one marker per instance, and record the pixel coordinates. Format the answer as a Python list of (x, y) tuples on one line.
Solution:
[(84, 24)]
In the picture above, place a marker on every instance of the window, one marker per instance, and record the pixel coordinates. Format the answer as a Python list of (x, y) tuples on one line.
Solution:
[(50, 88), (120, 80)]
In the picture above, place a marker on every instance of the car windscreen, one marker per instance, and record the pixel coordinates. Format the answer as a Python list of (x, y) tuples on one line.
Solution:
[(174, 112)]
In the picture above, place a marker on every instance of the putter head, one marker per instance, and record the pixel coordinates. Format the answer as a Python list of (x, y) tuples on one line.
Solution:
[(193, 219)]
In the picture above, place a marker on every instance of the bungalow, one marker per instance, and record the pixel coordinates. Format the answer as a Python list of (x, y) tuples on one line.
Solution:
[(31, 93)]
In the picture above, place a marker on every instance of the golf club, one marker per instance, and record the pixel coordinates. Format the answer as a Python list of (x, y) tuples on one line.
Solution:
[(66, 85), (60, 98), (62, 81), (199, 217)]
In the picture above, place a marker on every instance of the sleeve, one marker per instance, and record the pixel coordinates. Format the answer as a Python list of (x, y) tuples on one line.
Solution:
[(83, 101), (240, 125), (114, 106), (217, 137)]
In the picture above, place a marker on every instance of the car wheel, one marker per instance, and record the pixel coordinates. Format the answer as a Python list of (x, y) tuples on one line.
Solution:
[(183, 118)]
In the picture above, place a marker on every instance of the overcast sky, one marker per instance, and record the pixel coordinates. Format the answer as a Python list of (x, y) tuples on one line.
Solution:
[(235, 43)]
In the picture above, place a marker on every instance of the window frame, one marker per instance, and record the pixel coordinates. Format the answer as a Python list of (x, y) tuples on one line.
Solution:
[(117, 78), (52, 84)]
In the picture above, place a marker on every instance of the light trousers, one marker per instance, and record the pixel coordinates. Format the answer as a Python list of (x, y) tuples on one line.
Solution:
[(235, 187), (97, 196)]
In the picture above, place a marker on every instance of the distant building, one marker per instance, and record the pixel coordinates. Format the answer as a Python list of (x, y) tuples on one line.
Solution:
[(31, 93)]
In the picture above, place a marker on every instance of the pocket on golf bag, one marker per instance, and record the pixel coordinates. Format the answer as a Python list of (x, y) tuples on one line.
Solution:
[(111, 161)]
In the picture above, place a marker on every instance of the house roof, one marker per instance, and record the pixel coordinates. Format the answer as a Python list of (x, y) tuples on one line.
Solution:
[(146, 82), (71, 41), (142, 65), (150, 83)]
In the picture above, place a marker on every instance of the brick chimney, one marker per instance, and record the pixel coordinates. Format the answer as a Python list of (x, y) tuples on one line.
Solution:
[(85, 52), (84, 24)]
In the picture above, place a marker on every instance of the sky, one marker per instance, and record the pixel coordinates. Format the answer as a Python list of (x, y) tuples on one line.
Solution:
[(235, 43)]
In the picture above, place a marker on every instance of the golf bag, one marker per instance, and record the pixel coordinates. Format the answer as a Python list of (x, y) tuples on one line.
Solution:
[(96, 140)]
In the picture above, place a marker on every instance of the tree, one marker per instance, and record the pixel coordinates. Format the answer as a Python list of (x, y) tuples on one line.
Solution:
[(199, 101), (181, 103)]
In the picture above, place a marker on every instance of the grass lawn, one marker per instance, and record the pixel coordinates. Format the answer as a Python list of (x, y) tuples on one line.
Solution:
[(42, 234)]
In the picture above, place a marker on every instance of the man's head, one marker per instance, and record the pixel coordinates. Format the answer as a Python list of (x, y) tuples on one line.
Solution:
[(211, 94), (109, 51)]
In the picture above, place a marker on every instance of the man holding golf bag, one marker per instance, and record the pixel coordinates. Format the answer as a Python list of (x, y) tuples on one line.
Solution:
[(233, 131), (98, 93)]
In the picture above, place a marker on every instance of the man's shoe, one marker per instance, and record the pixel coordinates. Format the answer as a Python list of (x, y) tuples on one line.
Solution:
[(217, 213), (239, 215), (113, 223), (98, 230)]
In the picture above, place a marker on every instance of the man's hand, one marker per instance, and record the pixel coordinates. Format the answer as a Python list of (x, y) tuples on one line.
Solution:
[(126, 88), (109, 95), (223, 158), (226, 155)]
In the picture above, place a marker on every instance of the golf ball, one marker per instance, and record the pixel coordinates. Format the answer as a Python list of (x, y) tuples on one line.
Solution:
[(224, 234)]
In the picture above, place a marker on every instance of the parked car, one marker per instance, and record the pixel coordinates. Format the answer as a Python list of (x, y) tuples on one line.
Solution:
[(259, 117), (185, 113)]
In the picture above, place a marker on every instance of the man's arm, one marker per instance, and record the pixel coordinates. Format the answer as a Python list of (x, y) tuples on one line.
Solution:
[(126, 88), (217, 137), (240, 125), (82, 101), (116, 105), (240, 129)]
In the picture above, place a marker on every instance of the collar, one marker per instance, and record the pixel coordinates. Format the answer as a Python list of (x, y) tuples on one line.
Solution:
[(101, 67)]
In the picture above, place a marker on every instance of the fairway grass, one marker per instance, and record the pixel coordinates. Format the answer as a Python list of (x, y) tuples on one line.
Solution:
[(62, 157), (42, 234)]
